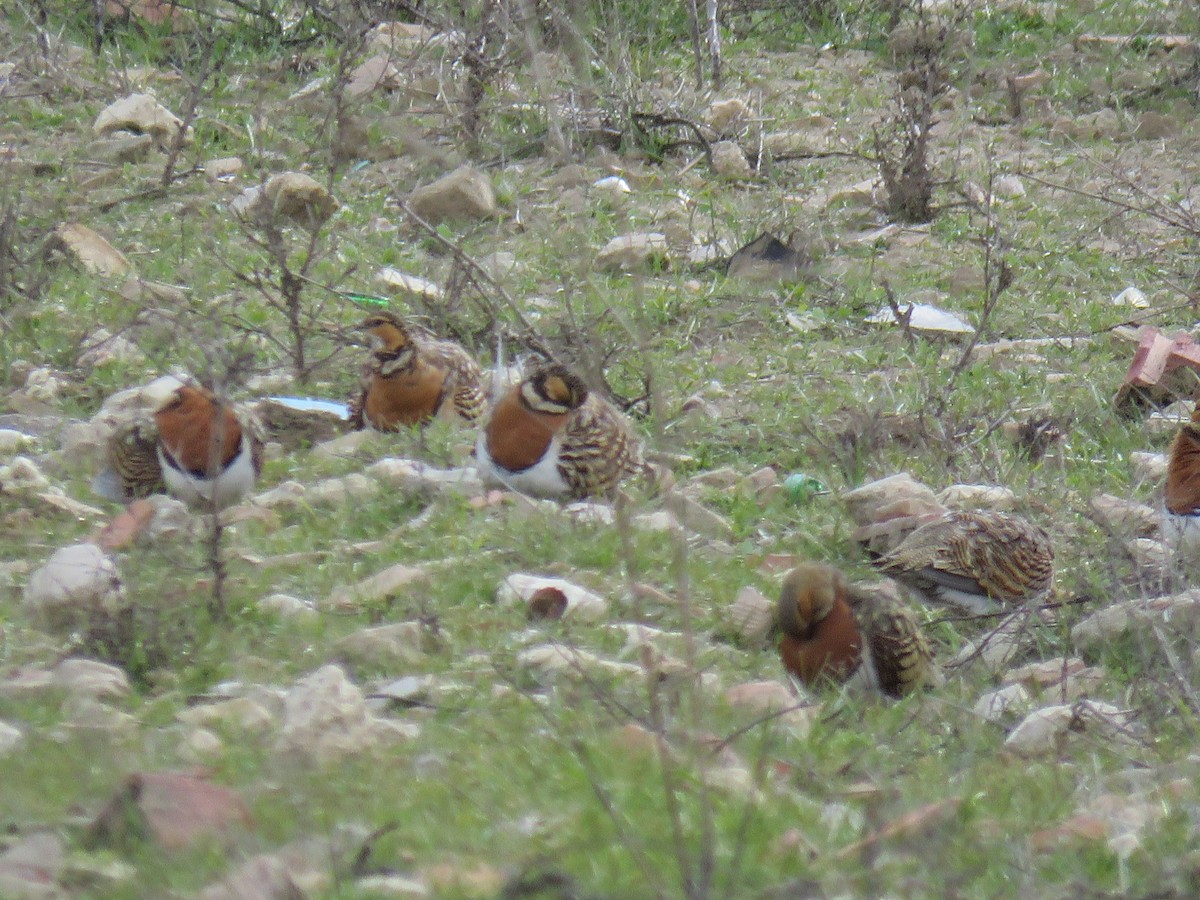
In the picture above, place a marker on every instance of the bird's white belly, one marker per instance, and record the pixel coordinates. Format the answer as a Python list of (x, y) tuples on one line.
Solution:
[(542, 479), (234, 482)]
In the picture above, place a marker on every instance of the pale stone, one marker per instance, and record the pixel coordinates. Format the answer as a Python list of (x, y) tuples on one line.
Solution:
[(354, 486), (519, 588), (224, 169), (289, 195), (974, 496), (413, 475), (343, 445), (752, 615), (561, 659), (201, 745), (465, 193), (121, 147), (287, 606), (102, 347), (325, 718), (631, 252), (1049, 730), (30, 868), (13, 441), (76, 583), (729, 161), (697, 518), (91, 677), (1008, 186), (728, 116), (141, 114), (1125, 516), (386, 645), (1148, 467), (262, 877), (10, 738), (378, 72), (379, 586), (405, 285), (22, 474), (242, 715), (612, 186), (994, 706), (1176, 613)]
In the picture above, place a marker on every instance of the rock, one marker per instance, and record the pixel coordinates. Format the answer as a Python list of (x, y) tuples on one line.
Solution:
[(1148, 467), (728, 116), (923, 318), (404, 285), (997, 647), (1177, 614), (975, 496), (1008, 186), (774, 697), (287, 606), (10, 739), (400, 643), (391, 886), (261, 877), (1103, 124), (22, 475), (378, 587), (752, 615), (729, 161), (170, 519), (121, 147), (697, 518), (289, 195), (412, 475), (561, 659), (92, 678), (74, 585), (1002, 703), (175, 810), (1154, 126), (1124, 516), (1131, 297), (465, 193), (348, 488), (224, 169), (767, 260), (12, 442), (92, 251), (378, 72), (238, 715), (614, 187), (344, 445), (1050, 729), (581, 603), (868, 502), (31, 866), (200, 745), (103, 348), (633, 252), (325, 718), (141, 114), (1067, 679)]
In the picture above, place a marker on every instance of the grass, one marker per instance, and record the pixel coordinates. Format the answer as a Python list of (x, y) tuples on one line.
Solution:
[(512, 771)]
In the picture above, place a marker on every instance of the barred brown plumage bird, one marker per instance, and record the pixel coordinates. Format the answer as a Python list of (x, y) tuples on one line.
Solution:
[(1181, 516), (978, 560), (413, 377), (833, 630), (194, 446), (551, 437)]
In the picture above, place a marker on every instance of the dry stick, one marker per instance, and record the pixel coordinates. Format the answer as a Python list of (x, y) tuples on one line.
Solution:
[(531, 338), (692, 691)]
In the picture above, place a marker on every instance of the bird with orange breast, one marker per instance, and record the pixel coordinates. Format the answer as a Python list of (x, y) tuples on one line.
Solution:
[(1181, 496), (551, 437), (834, 631), (193, 445), (412, 378), (980, 561)]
